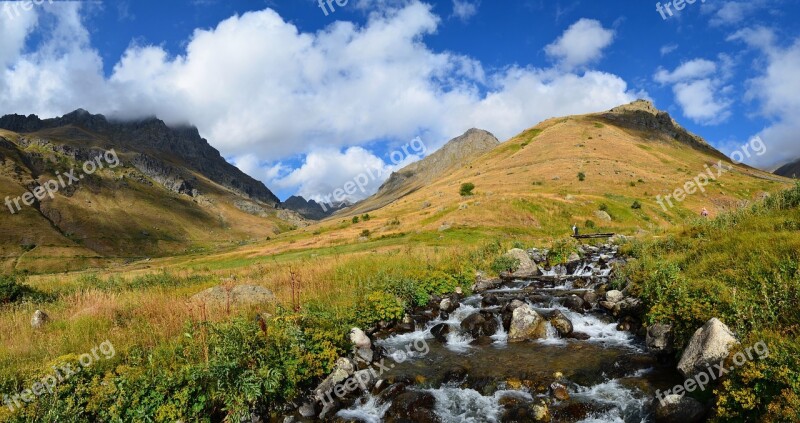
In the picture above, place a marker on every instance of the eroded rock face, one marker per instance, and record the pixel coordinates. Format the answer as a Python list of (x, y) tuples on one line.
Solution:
[(527, 324), (709, 345)]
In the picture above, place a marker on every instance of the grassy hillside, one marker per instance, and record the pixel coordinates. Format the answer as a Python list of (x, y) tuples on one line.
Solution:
[(112, 216), (743, 268)]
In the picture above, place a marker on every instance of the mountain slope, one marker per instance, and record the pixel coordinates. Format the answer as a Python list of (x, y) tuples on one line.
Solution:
[(457, 153), (531, 184), (789, 170), (172, 193)]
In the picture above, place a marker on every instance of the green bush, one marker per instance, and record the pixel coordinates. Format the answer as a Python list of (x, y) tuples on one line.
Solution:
[(504, 263), (466, 189), (590, 224), (581, 176), (636, 205), (378, 306), (365, 217), (355, 219), (365, 233), (13, 290)]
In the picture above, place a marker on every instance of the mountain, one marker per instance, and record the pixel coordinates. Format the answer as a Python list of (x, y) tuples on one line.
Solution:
[(790, 170), (310, 209), (605, 171), (171, 193), (455, 154)]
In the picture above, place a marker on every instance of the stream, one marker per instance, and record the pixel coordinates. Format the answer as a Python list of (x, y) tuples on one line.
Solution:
[(597, 373)]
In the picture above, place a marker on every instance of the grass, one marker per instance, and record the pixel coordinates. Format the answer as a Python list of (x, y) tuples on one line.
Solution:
[(744, 268)]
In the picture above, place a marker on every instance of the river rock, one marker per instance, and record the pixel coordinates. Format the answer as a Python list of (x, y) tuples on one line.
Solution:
[(359, 338), (448, 305), (526, 266), (559, 391), (413, 406), (482, 283), (660, 338), (590, 298), (614, 296), (526, 324), (490, 300), (574, 303), (39, 319), (473, 325), (562, 324), (679, 408), (709, 345), (344, 369), (440, 332)]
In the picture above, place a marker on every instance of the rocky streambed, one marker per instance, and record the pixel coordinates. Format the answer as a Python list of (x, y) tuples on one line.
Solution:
[(546, 343)]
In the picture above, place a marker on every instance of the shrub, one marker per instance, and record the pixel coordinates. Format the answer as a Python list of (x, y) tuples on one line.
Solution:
[(355, 219), (636, 205), (581, 176), (365, 217), (504, 263), (603, 207), (13, 290), (379, 306), (365, 233), (590, 224), (466, 189)]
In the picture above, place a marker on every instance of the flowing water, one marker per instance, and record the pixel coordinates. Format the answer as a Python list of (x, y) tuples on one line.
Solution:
[(609, 376)]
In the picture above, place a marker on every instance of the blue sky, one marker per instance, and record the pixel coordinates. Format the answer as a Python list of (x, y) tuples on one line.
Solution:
[(304, 101)]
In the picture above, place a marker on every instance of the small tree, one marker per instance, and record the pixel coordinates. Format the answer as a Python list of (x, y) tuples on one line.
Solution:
[(466, 189), (365, 217), (355, 219), (581, 176)]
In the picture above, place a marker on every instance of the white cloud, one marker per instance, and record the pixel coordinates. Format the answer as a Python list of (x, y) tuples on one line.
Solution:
[(775, 92), (465, 9), (700, 90), (733, 12), (262, 91), (583, 43), (667, 49)]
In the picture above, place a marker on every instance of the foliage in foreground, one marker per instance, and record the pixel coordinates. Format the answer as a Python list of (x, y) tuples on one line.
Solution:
[(743, 268)]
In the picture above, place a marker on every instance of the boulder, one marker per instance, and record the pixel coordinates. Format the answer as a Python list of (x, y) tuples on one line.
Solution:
[(562, 324), (39, 319), (679, 408), (440, 332), (414, 406), (359, 338), (473, 325), (490, 300), (526, 324), (447, 305), (589, 298), (237, 295), (574, 303), (709, 345), (660, 338), (559, 391), (526, 266), (614, 296), (602, 215), (344, 369)]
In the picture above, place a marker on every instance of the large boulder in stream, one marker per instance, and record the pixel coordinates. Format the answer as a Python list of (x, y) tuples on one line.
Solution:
[(526, 266), (679, 408), (709, 345), (440, 332), (478, 325), (527, 324)]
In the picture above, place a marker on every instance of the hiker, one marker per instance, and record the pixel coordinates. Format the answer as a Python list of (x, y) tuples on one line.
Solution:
[(575, 229), (704, 213)]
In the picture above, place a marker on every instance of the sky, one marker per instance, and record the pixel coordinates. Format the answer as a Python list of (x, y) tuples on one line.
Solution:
[(305, 97)]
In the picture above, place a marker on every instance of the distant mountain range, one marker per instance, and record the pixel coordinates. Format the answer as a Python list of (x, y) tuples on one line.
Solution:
[(790, 170)]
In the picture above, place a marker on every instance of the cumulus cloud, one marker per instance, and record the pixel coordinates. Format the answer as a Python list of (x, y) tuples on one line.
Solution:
[(264, 93), (775, 92), (465, 9), (583, 43), (700, 90), (733, 12)]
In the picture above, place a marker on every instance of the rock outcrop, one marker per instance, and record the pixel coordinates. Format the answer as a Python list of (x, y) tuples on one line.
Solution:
[(709, 345)]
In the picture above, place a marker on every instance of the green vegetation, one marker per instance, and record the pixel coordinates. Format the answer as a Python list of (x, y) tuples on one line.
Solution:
[(745, 270), (590, 224), (365, 233), (636, 205), (581, 176), (365, 217), (466, 189), (355, 219), (504, 264), (13, 290)]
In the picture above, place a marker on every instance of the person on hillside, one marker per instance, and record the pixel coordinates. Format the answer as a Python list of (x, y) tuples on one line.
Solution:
[(704, 213), (575, 229)]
